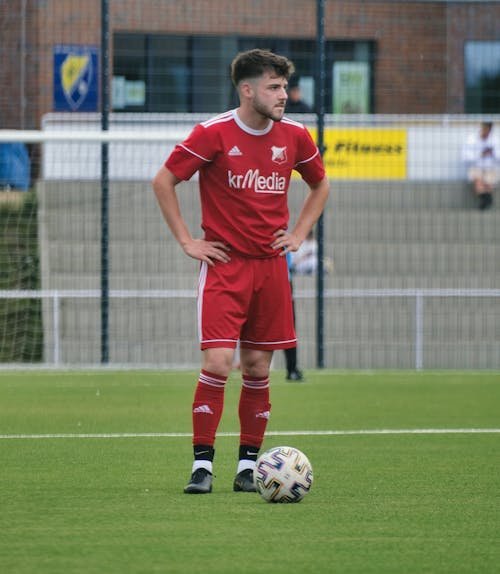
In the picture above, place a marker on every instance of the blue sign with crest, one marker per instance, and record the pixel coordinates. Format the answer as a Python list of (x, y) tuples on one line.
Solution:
[(76, 78)]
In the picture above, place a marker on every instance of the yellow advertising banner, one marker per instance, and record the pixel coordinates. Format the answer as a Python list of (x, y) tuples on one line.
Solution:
[(364, 153)]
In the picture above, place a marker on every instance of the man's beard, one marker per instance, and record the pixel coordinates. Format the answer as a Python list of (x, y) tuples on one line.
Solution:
[(275, 114)]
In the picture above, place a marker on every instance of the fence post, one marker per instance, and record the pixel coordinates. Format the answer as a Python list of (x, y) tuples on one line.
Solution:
[(320, 111), (55, 317), (419, 330), (104, 183)]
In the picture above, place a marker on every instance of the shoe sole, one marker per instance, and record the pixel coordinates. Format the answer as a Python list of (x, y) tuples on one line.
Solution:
[(238, 487), (194, 490)]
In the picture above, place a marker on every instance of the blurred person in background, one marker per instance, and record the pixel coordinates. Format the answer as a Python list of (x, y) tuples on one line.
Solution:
[(481, 155), (304, 261), (293, 373), (295, 104)]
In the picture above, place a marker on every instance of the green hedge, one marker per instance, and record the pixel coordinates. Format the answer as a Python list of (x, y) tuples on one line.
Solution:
[(21, 332)]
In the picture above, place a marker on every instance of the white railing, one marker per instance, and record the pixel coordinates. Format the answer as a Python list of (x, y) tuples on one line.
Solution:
[(71, 147), (419, 296)]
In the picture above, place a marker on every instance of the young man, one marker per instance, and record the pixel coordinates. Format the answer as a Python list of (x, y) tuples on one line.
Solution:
[(244, 158)]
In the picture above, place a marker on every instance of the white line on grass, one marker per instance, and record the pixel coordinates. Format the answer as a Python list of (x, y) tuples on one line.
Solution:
[(270, 433)]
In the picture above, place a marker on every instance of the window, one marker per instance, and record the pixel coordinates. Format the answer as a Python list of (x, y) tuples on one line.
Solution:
[(130, 69), (482, 77), (173, 73)]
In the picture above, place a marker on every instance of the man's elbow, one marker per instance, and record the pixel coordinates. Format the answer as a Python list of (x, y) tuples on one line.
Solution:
[(161, 181), (157, 184)]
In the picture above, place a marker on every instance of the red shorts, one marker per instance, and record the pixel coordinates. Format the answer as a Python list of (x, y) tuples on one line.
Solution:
[(248, 300)]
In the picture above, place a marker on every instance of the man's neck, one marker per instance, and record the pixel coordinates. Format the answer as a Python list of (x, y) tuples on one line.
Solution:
[(252, 119)]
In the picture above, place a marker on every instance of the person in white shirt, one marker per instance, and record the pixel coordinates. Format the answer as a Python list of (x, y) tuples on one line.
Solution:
[(305, 259), (481, 155)]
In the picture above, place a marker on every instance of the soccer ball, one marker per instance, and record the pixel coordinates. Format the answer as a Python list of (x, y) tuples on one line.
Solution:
[(283, 474)]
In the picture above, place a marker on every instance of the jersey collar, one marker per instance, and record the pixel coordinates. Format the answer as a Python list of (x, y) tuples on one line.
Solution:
[(249, 130)]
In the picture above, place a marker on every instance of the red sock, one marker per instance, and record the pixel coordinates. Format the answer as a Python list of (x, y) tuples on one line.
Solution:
[(207, 407), (254, 409)]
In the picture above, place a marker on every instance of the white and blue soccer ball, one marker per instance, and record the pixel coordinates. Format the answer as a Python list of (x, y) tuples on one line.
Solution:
[(283, 474)]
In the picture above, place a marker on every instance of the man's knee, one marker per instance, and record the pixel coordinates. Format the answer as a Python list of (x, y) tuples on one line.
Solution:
[(255, 363), (218, 361)]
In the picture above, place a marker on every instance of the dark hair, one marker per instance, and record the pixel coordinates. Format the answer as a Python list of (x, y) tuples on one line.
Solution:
[(254, 63)]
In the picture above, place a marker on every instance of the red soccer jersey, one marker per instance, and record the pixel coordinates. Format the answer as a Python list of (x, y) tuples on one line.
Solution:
[(244, 176)]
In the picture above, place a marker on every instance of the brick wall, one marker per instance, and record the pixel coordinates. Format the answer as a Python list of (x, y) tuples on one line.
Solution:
[(419, 45), (11, 105)]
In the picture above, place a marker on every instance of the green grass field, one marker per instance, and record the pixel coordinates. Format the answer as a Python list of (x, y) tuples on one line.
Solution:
[(93, 465)]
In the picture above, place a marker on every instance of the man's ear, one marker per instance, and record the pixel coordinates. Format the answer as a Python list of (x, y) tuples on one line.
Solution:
[(246, 89)]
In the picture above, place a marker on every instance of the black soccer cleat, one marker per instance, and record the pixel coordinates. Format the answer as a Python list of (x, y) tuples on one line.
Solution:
[(200, 482), (243, 481), (485, 201), (295, 375)]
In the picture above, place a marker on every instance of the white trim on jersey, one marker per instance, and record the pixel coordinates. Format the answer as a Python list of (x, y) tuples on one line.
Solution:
[(194, 153), (249, 130), (309, 158), (286, 120), (221, 118)]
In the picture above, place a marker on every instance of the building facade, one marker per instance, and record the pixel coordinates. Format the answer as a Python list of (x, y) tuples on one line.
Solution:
[(412, 57)]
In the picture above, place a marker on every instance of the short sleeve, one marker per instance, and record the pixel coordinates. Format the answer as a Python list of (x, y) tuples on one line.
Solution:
[(192, 154)]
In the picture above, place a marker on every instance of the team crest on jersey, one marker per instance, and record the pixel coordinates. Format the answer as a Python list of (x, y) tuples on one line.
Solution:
[(278, 154)]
